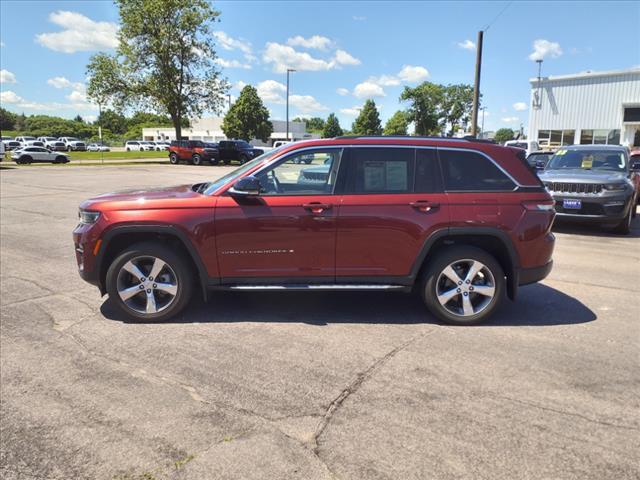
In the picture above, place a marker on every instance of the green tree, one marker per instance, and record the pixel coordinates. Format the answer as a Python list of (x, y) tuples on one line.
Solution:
[(455, 110), (331, 127), (397, 124), (113, 121), (21, 122), (425, 107), (164, 61), (368, 121), (248, 118), (78, 119), (314, 124), (504, 134), (7, 119)]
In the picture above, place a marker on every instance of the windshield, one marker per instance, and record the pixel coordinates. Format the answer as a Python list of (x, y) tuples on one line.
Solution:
[(265, 157), (591, 159)]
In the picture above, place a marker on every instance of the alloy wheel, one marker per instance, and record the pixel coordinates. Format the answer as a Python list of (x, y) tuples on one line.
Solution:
[(147, 284), (465, 287)]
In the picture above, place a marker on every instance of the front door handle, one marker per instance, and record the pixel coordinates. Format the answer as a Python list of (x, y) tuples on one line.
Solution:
[(316, 207), (424, 206)]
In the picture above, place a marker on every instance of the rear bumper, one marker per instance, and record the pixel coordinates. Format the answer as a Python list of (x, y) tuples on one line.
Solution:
[(527, 276)]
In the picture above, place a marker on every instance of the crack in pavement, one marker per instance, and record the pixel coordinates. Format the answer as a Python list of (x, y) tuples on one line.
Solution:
[(563, 412), (353, 387)]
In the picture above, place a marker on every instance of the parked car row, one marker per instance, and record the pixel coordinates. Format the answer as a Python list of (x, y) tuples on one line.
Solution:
[(196, 152), (58, 144), (146, 146)]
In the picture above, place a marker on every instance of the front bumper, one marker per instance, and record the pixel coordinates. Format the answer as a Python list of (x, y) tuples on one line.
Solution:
[(607, 208)]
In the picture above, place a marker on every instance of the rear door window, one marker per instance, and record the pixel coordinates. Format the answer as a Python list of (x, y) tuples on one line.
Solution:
[(381, 170), (468, 171), (428, 177)]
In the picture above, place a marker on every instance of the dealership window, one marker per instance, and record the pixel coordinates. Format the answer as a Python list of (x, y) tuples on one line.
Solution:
[(600, 137), (631, 114), (555, 138)]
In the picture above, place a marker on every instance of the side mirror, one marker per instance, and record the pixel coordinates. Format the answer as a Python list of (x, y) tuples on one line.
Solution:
[(246, 187), (635, 165)]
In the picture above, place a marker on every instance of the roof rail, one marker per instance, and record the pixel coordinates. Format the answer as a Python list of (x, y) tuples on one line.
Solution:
[(416, 137)]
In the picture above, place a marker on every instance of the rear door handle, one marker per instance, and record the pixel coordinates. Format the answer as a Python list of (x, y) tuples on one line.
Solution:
[(316, 207), (424, 205)]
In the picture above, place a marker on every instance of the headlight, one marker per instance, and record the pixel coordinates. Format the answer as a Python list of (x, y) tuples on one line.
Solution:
[(615, 187), (88, 217)]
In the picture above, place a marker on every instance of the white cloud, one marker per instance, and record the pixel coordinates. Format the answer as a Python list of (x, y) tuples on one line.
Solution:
[(519, 106), (368, 90), (62, 82), (77, 97), (345, 58), (385, 80), (510, 119), (89, 118), (316, 41), (79, 34), (229, 43), (353, 111), (9, 97), (467, 45), (342, 91), (306, 104), (410, 74), (7, 77), (232, 63), (284, 56), (271, 91), (543, 48), (239, 85)]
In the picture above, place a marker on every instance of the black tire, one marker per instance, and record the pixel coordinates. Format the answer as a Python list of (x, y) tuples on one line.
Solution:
[(196, 159), (243, 159), (226, 161), (624, 227), (447, 257), (173, 159), (61, 159), (26, 159), (177, 263)]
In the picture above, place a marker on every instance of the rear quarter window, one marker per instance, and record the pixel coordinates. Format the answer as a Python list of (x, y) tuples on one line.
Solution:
[(467, 171)]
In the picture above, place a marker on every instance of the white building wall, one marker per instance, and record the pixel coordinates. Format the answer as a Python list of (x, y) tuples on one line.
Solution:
[(584, 101)]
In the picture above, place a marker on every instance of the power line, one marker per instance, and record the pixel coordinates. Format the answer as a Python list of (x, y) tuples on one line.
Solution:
[(488, 25)]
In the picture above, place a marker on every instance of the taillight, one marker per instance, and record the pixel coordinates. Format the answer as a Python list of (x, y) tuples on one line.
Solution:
[(539, 205)]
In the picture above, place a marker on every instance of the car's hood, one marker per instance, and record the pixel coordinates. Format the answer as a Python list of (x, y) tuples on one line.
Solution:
[(579, 175), (142, 199)]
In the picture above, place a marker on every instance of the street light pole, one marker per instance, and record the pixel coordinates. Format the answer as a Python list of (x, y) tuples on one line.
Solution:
[(476, 87), (229, 98), (100, 131), (287, 128)]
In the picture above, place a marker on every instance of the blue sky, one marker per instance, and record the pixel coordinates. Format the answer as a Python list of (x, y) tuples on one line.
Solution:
[(345, 52)]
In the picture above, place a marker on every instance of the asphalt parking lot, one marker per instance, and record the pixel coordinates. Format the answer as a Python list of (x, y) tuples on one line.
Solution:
[(307, 385)]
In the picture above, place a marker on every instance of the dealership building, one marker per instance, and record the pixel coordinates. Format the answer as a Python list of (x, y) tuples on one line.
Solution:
[(586, 108), (209, 129)]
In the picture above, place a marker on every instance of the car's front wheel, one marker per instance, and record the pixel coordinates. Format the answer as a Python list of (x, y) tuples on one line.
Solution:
[(148, 281), (196, 159), (463, 285), (173, 159)]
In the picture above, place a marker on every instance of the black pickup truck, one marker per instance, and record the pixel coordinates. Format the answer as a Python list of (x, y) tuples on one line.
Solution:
[(237, 150)]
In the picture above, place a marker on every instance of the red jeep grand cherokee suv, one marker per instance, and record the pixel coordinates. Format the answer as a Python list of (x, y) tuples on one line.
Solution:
[(461, 221)]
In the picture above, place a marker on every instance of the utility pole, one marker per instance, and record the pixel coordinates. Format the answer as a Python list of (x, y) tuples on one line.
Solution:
[(100, 131), (482, 126), (288, 71), (229, 99), (476, 87)]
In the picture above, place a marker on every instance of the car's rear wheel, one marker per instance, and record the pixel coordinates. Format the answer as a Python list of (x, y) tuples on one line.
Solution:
[(196, 159), (463, 285), (148, 281), (173, 159), (25, 159), (243, 159), (61, 159)]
